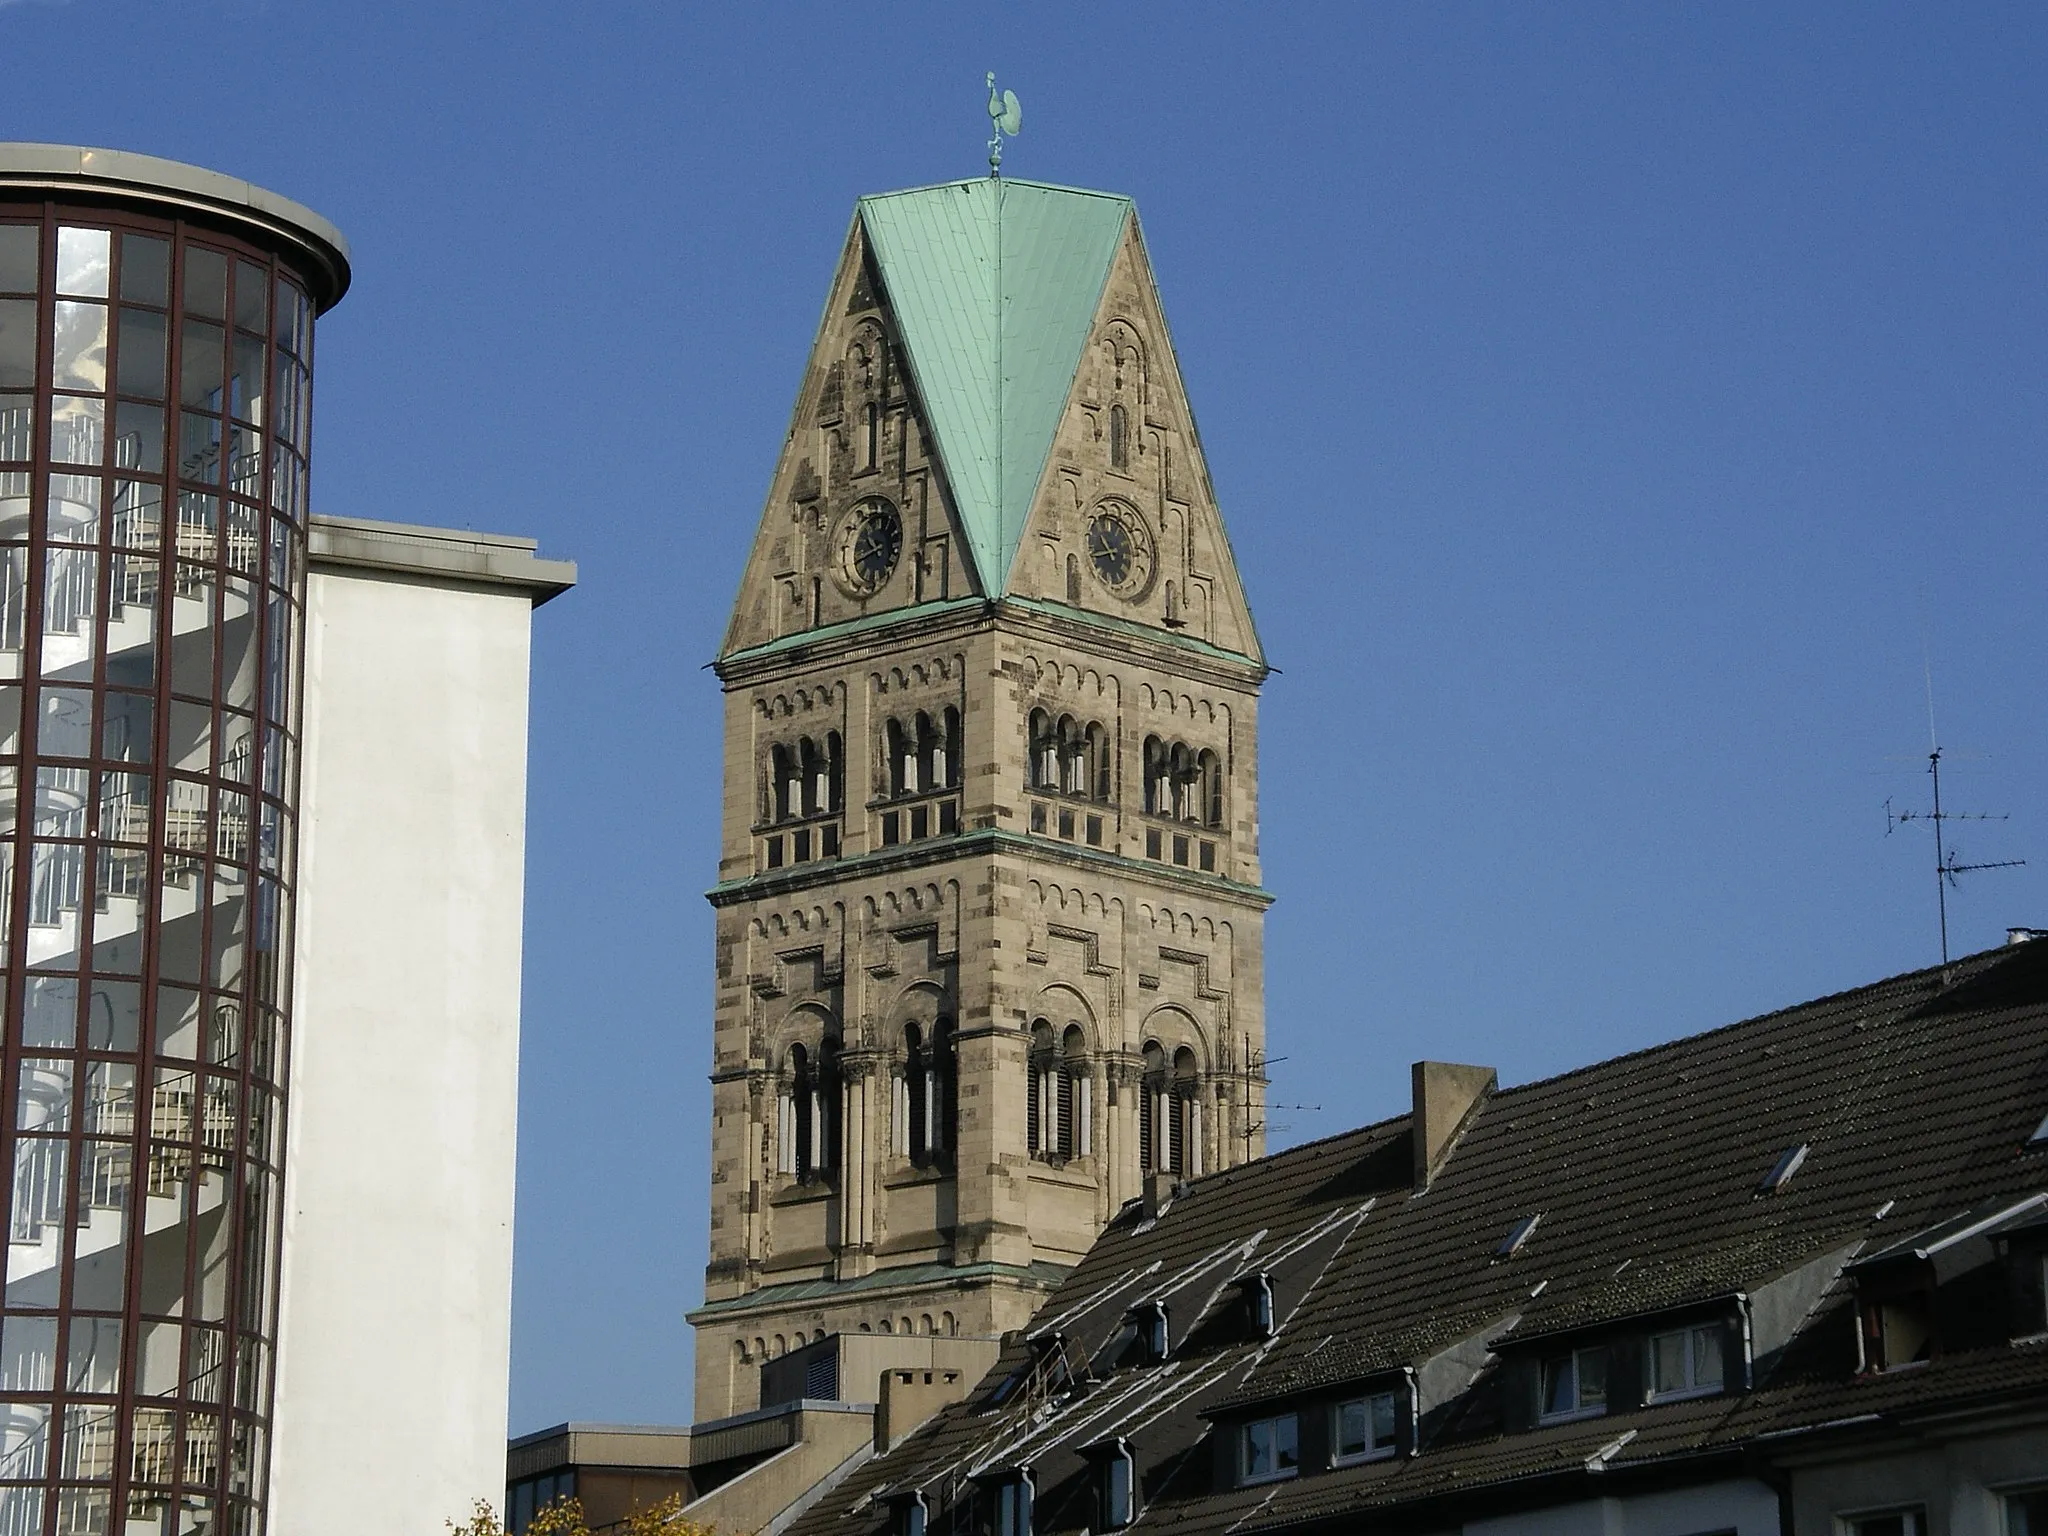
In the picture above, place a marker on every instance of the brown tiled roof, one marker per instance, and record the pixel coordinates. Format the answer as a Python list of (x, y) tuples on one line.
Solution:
[(1915, 1098)]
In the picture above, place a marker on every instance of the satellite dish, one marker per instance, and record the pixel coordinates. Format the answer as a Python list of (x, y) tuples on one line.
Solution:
[(1005, 117)]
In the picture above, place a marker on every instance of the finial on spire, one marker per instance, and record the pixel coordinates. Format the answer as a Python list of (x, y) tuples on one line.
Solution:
[(1005, 117)]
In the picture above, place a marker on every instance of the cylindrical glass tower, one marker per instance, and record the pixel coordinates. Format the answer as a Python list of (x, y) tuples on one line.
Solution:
[(156, 344)]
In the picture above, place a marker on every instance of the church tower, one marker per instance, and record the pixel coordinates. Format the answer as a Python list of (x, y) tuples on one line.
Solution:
[(989, 919)]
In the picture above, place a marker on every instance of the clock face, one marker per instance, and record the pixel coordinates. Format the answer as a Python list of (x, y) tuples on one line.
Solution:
[(1120, 549), (870, 540)]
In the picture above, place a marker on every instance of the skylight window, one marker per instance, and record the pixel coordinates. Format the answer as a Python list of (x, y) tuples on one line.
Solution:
[(2040, 1137), (1518, 1234), (1782, 1170)]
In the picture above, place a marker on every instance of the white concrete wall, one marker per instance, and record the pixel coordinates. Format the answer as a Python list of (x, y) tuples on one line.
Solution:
[(397, 1282)]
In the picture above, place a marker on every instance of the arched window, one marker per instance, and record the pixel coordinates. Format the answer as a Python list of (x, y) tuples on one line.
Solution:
[(808, 1124), (1075, 1132), (1184, 1154), (1119, 438), (902, 749), (1158, 778), (1044, 751), (1098, 757), (1038, 1113), (787, 781), (825, 1116), (1073, 746), (797, 1122), (1074, 579), (1209, 773), (1059, 1118), (913, 1099), (1152, 1137), (944, 1101), (1181, 771)]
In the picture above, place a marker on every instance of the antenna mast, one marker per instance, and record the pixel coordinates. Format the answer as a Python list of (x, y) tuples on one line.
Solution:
[(1946, 860)]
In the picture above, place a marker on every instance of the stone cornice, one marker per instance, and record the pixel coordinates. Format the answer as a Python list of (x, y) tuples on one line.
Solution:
[(987, 842)]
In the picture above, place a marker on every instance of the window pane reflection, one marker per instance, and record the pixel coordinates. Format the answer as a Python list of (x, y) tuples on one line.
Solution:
[(21, 247), (83, 260), (78, 346)]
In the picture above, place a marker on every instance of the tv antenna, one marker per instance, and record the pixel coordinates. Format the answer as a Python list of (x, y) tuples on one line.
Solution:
[(1253, 1076), (1947, 862), (1005, 117)]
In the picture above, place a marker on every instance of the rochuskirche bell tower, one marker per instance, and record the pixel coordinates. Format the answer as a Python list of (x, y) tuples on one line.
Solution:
[(989, 920)]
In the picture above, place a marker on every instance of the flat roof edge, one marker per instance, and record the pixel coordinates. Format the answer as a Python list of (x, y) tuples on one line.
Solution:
[(440, 554), (123, 172)]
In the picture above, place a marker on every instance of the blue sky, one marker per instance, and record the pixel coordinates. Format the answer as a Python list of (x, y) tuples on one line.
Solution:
[(1615, 408)]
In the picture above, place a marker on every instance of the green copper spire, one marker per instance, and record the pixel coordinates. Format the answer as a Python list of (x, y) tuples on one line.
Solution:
[(994, 285)]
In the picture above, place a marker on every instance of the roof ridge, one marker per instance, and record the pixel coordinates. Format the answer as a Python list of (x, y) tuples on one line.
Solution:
[(1009, 181), (1900, 981)]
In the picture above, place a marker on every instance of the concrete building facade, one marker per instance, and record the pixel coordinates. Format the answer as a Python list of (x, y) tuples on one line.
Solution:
[(989, 920)]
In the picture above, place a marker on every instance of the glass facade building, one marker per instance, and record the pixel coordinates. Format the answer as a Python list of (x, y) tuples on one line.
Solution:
[(156, 351)]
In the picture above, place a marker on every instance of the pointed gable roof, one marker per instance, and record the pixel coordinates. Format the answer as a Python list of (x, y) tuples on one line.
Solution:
[(994, 286)]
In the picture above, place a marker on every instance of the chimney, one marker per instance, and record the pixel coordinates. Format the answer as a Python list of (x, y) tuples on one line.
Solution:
[(1446, 1095)]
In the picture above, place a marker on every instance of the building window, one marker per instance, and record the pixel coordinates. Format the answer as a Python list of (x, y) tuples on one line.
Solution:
[(1898, 1326), (1068, 756), (1575, 1385), (1888, 1522), (1115, 1483), (2026, 1512), (1685, 1363), (1152, 1333), (1183, 783), (925, 1096), (908, 1515), (1010, 1505), (922, 753), (1119, 438), (1269, 1449), (1256, 1292), (808, 1119), (1170, 1112), (1059, 1118), (1365, 1429)]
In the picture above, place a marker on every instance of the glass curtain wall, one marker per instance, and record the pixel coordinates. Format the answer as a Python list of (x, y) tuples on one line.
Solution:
[(155, 387)]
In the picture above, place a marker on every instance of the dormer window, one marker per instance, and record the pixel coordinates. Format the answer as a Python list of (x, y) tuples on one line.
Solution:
[(1269, 1449), (1115, 1484), (1897, 1322), (1149, 1319), (1575, 1385), (908, 1514), (1366, 1429), (1685, 1363), (1009, 1503), (1256, 1297)]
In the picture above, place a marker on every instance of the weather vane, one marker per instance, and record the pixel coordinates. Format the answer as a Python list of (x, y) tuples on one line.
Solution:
[(1005, 117)]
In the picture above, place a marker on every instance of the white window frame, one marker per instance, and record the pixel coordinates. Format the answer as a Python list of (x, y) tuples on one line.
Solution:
[(1579, 1409), (1692, 1334), (1375, 1449), (1245, 1476), (1915, 1518)]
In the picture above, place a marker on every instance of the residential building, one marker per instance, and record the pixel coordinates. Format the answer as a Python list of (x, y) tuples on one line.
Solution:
[(262, 803), (1783, 1277)]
